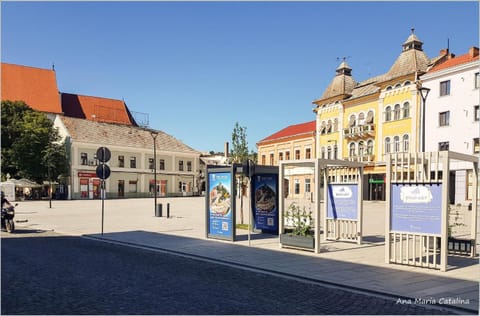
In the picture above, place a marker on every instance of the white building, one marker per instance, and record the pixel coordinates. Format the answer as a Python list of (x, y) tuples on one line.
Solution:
[(452, 120)]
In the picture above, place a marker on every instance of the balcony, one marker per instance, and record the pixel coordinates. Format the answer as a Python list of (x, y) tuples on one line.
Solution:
[(354, 132), (362, 158)]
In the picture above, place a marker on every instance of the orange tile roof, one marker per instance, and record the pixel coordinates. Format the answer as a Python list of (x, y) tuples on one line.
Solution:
[(292, 130), (455, 61), (35, 86), (96, 109)]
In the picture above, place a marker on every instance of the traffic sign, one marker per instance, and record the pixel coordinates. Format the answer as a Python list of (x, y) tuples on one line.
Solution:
[(103, 154), (103, 171)]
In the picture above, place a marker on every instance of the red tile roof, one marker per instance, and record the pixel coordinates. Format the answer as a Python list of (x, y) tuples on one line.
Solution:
[(455, 61), (96, 109), (35, 86), (292, 130)]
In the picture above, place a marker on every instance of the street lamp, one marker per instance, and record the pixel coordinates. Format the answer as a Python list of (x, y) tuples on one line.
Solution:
[(154, 137), (423, 93)]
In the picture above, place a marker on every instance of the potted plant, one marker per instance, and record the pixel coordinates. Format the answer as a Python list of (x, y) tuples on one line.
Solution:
[(299, 228)]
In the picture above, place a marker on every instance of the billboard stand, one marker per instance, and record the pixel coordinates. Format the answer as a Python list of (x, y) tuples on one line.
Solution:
[(416, 221)]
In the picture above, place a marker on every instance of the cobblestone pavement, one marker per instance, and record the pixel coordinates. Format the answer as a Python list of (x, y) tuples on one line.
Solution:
[(47, 273)]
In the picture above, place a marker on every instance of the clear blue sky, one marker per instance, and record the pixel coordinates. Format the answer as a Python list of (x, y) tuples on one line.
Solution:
[(198, 67)]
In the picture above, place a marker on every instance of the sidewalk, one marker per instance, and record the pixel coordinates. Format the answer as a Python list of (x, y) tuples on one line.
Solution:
[(350, 265)]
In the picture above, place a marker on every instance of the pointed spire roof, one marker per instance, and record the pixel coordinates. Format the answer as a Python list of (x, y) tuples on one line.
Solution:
[(412, 59), (342, 84)]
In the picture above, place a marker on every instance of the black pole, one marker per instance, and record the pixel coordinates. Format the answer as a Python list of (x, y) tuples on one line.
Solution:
[(154, 136)]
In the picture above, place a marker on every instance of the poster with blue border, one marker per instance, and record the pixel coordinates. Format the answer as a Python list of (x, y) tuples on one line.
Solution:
[(220, 204), (416, 208), (342, 201), (265, 201)]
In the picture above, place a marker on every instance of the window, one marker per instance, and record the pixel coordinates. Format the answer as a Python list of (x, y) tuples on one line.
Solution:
[(351, 151), (388, 114), (396, 144), (307, 185), (297, 154), (476, 112), (263, 160), (361, 149), (280, 156), (180, 165), (323, 152), (352, 121), (132, 186), (287, 155), (444, 118), (84, 159), (189, 166), (477, 81), (329, 126), (133, 162), (406, 143), (151, 163), (387, 145), (443, 146), (406, 110), (335, 152), (297, 186), (271, 159), (162, 164), (308, 153), (329, 152), (121, 161), (361, 118), (445, 88), (335, 125), (396, 112), (476, 145), (369, 147)]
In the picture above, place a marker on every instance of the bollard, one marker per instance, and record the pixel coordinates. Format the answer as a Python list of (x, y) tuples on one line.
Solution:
[(158, 210), (168, 210)]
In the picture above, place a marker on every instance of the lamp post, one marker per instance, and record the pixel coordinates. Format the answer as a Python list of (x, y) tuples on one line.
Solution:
[(154, 137), (423, 93)]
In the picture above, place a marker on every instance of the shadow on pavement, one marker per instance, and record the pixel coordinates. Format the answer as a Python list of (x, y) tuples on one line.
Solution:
[(377, 280)]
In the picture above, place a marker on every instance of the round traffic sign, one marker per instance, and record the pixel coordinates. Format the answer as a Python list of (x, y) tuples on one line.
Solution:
[(103, 154), (103, 171)]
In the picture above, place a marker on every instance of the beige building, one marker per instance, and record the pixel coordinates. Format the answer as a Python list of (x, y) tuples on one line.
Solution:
[(132, 164)]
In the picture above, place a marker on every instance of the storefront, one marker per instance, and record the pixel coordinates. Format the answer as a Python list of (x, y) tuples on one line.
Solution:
[(90, 185)]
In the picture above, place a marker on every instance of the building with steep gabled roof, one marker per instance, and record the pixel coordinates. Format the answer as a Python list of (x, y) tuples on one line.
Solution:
[(132, 162), (97, 109), (37, 87)]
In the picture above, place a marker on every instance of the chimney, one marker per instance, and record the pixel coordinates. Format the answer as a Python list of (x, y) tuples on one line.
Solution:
[(226, 150), (444, 52), (473, 51)]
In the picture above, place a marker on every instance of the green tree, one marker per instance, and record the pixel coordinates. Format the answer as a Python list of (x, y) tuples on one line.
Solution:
[(30, 144), (239, 152)]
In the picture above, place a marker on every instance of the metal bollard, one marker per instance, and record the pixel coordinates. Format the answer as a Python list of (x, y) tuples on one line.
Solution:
[(168, 210), (158, 210)]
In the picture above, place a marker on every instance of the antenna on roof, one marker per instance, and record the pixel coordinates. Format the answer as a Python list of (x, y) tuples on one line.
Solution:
[(413, 30), (448, 44), (53, 66), (344, 58)]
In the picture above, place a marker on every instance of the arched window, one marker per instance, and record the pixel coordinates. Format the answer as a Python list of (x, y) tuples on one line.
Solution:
[(406, 110), (335, 125), (361, 149), (323, 127), (369, 147), (398, 85), (396, 112), (329, 126), (396, 144), (335, 152), (329, 152), (351, 152), (369, 117), (361, 118), (406, 83), (387, 145), (388, 114), (352, 122), (389, 88), (406, 143)]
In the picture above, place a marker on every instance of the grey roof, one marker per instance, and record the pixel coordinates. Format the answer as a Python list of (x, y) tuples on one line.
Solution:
[(343, 83), (105, 134)]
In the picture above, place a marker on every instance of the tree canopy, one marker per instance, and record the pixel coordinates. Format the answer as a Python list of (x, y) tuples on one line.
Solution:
[(239, 152), (30, 144)]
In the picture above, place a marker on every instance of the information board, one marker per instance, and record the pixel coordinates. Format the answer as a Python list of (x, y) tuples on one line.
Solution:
[(265, 201), (342, 201), (416, 208), (219, 204)]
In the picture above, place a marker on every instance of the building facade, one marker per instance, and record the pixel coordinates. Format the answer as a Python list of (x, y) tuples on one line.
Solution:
[(453, 116)]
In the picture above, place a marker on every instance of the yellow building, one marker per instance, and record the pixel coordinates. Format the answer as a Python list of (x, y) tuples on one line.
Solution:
[(366, 120), (295, 142)]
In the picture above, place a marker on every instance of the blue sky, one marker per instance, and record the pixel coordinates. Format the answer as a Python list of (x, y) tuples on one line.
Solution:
[(197, 68)]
